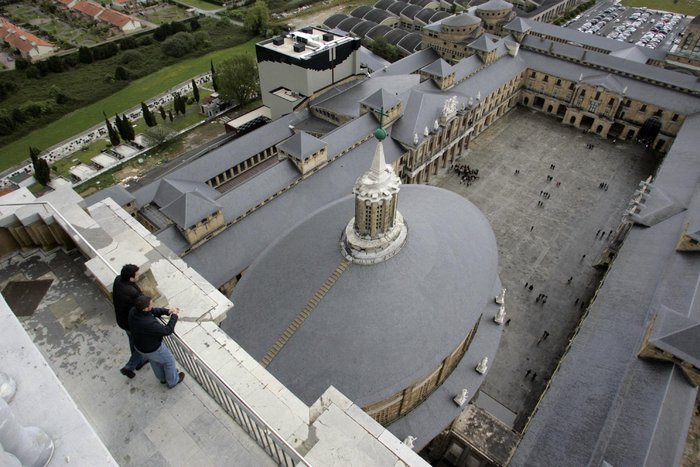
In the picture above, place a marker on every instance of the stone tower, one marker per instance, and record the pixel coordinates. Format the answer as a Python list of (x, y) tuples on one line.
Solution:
[(378, 231)]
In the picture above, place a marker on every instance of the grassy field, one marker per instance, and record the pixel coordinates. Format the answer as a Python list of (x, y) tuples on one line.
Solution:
[(135, 92), (201, 4), (687, 7)]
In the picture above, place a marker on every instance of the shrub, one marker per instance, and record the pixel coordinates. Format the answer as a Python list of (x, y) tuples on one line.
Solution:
[(179, 45), (121, 74), (128, 43), (131, 56), (33, 72), (145, 40)]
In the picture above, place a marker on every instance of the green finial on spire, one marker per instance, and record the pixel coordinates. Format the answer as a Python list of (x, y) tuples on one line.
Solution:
[(380, 133)]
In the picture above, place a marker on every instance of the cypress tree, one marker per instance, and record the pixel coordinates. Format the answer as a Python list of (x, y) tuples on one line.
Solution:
[(195, 91), (129, 129), (112, 133), (170, 115), (213, 77), (162, 112), (147, 115), (120, 127), (42, 173)]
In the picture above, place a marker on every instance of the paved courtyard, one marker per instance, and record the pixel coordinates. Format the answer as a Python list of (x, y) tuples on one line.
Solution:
[(544, 246), (140, 421)]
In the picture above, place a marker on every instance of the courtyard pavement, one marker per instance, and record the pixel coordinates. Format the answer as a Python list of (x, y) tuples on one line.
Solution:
[(544, 246), (141, 422)]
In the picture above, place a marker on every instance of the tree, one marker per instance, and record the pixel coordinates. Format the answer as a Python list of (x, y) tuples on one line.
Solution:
[(121, 127), (179, 45), (42, 172), (129, 133), (195, 91), (18, 115), (257, 18), (162, 112), (159, 134), (214, 84), (179, 104), (112, 133), (384, 49), (147, 115), (121, 74), (238, 79), (194, 25), (170, 115), (7, 123)]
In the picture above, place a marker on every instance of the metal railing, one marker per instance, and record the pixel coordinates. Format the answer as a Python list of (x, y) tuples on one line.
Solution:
[(243, 414)]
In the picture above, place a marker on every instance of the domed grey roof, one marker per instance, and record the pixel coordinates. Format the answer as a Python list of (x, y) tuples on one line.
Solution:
[(378, 328), (494, 5), (464, 19)]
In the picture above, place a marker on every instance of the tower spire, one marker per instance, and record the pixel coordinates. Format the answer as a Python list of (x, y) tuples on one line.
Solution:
[(377, 232)]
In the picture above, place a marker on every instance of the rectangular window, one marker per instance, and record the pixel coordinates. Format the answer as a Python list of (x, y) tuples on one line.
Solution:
[(675, 117), (643, 108)]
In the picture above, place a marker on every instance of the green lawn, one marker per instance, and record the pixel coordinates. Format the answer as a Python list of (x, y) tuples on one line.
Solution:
[(137, 91), (688, 7), (201, 4)]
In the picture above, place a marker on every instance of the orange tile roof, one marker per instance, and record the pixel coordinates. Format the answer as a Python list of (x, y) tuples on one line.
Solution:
[(18, 38), (114, 17), (65, 2), (88, 8)]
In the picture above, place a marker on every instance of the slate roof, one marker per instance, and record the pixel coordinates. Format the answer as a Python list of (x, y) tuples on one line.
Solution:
[(372, 61), (347, 103), (636, 89), (518, 25), (656, 207), (254, 233), (169, 189), (412, 63), (679, 335), (378, 15), (439, 68), (484, 43), (117, 192), (190, 208), (228, 155), (301, 145), (494, 5), (634, 54), (380, 99), (378, 31), (350, 323), (465, 19)]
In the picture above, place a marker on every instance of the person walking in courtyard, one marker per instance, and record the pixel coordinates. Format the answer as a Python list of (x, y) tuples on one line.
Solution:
[(148, 333), (125, 291)]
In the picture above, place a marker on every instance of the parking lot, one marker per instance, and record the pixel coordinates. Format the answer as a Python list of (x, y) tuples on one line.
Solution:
[(640, 26)]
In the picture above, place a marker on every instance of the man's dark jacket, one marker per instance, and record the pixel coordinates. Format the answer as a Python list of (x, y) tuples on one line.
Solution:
[(147, 331), (124, 294)]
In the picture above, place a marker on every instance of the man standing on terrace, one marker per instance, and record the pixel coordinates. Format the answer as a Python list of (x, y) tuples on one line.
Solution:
[(125, 291), (148, 332)]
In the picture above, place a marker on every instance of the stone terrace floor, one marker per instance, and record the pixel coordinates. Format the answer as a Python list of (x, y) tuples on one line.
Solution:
[(544, 246), (140, 422)]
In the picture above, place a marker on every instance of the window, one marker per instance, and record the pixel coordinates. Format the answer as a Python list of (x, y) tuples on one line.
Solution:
[(558, 83), (675, 117), (546, 78), (643, 108), (593, 106)]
